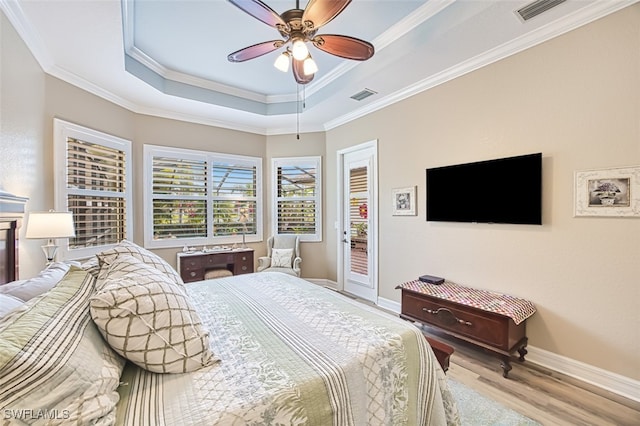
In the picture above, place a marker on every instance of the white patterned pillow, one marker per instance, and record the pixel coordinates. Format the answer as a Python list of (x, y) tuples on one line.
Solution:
[(8, 303), (53, 358), (281, 258), (43, 282), (149, 320), (127, 247)]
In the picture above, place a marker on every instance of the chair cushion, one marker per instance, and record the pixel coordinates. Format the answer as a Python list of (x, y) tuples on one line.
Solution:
[(217, 273), (287, 270), (281, 258)]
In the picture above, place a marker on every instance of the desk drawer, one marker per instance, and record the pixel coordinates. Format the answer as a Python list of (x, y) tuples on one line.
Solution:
[(244, 263), (190, 263), (218, 259), (481, 326)]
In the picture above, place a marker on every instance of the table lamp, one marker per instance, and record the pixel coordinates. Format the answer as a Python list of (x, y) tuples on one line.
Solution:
[(243, 217), (50, 225)]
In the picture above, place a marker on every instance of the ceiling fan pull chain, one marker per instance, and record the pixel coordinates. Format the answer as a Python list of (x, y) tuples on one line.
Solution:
[(298, 112)]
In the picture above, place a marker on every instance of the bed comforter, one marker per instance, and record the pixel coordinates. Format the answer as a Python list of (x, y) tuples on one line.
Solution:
[(293, 353)]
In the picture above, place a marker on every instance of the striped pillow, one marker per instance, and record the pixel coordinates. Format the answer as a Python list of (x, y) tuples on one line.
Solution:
[(149, 320), (54, 361), (127, 247)]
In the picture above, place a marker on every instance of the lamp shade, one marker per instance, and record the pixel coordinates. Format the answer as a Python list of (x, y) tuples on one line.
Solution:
[(282, 62), (50, 225)]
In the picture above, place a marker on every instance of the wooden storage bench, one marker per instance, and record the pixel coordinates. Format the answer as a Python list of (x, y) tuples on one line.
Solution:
[(496, 322)]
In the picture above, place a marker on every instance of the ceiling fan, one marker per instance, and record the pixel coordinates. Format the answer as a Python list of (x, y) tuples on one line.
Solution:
[(298, 27)]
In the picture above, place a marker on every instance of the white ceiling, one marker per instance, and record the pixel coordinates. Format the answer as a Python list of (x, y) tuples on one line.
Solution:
[(169, 58)]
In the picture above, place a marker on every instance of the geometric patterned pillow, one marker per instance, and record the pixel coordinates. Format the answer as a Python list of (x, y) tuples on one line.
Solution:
[(148, 319), (127, 247)]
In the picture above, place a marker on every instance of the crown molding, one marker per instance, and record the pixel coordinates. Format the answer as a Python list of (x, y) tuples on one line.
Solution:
[(596, 10), (38, 49), (568, 23)]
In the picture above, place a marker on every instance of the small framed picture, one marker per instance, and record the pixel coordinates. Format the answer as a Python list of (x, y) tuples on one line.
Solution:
[(608, 192), (404, 201)]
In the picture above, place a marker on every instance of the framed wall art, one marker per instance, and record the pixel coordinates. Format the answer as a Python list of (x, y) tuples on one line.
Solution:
[(404, 201), (608, 192)]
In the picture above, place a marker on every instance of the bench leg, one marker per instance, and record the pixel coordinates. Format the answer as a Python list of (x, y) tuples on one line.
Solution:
[(522, 350)]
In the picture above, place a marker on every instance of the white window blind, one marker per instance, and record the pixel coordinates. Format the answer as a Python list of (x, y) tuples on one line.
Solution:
[(179, 188), (234, 198), (200, 198), (298, 195), (92, 178), (358, 201)]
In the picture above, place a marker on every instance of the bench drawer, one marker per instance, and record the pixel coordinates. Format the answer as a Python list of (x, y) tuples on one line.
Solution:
[(478, 325)]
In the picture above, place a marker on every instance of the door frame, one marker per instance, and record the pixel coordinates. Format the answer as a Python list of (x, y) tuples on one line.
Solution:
[(373, 207)]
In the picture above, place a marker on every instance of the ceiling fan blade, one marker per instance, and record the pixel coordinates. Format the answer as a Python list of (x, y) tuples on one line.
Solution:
[(321, 12), (298, 72), (344, 46), (254, 51), (260, 11)]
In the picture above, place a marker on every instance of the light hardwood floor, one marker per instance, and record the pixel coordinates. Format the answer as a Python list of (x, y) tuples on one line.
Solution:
[(540, 394)]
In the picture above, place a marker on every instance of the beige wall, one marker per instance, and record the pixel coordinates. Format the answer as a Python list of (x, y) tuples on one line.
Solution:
[(576, 99), (24, 163), (313, 254)]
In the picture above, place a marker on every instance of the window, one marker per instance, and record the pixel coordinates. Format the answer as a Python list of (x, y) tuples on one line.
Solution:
[(92, 178), (198, 198), (298, 197)]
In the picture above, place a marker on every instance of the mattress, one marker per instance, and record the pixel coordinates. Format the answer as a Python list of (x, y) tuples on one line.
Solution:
[(293, 353)]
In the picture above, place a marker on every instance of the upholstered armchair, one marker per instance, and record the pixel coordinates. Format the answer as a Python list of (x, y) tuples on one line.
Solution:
[(283, 255)]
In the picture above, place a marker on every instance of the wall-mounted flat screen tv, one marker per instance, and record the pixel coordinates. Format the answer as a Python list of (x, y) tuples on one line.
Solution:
[(505, 190)]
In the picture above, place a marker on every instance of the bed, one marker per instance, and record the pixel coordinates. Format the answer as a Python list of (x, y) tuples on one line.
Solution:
[(256, 349)]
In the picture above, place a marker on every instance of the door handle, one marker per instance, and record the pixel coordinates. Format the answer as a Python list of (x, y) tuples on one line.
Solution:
[(344, 240)]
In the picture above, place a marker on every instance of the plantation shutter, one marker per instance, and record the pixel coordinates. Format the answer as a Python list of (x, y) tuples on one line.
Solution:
[(358, 200), (298, 194), (234, 198), (179, 198), (96, 193)]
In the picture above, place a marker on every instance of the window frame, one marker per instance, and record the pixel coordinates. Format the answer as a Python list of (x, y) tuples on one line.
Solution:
[(315, 161), (62, 131), (149, 151)]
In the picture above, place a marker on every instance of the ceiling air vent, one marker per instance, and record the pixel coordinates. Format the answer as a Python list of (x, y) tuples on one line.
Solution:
[(536, 8), (363, 94)]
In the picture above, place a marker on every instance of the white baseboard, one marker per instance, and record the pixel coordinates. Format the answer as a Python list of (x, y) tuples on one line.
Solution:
[(323, 282), (389, 305), (607, 380), (612, 382)]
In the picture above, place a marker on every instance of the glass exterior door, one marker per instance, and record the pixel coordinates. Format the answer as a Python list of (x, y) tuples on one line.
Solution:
[(358, 261)]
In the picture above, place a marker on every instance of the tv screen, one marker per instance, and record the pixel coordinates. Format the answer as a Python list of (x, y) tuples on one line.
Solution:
[(506, 190)]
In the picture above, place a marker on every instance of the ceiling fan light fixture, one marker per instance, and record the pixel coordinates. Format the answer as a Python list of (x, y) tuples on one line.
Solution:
[(282, 62), (299, 49), (309, 66)]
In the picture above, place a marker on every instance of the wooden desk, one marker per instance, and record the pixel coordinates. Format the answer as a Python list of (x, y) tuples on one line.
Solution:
[(192, 266), (493, 321)]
